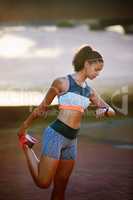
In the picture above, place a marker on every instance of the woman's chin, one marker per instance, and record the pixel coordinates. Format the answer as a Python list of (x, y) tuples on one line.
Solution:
[(92, 77)]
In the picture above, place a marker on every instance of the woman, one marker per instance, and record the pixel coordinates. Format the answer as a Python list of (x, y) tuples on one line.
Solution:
[(60, 137)]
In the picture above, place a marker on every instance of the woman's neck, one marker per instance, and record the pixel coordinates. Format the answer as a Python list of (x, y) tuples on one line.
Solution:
[(80, 77)]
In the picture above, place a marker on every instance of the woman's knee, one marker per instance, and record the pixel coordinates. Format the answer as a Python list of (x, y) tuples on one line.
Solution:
[(46, 170), (44, 184)]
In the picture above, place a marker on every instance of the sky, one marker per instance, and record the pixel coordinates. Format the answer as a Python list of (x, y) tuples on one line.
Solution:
[(31, 57)]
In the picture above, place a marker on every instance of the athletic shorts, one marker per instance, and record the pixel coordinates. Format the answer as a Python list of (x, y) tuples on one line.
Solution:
[(56, 146)]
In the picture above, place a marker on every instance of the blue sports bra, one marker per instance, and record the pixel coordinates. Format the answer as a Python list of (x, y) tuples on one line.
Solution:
[(76, 97)]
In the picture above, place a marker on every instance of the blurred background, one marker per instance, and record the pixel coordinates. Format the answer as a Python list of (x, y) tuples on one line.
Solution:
[(37, 42)]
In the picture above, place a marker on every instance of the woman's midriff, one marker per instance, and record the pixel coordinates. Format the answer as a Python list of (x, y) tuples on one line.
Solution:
[(70, 117)]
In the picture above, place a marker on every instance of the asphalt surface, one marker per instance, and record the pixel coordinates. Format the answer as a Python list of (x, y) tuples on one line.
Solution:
[(102, 172)]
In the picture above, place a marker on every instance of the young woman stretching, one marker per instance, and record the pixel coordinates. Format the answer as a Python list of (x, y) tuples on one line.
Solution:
[(59, 145)]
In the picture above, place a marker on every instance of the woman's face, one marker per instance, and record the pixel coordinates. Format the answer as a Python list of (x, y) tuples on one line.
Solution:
[(93, 69)]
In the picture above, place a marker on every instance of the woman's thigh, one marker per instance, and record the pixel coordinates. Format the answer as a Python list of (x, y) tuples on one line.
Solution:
[(58, 156), (52, 143), (50, 155), (46, 169)]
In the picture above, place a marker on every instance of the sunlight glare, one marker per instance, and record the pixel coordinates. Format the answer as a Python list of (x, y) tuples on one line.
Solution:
[(116, 28), (12, 46), (22, 98)]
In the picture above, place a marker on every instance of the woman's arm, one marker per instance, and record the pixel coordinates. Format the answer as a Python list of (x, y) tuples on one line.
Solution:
[(103, 109), (54, 90)]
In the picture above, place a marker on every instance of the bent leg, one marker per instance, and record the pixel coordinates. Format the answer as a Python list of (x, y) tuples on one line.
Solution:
[(41, 171), (46, 170), (61, 178), (32, 161), (53, 150)]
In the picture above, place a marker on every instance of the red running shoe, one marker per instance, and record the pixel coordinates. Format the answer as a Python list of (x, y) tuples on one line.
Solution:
[(28, 140)]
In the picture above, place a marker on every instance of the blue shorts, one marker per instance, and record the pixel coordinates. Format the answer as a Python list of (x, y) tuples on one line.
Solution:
[(57, 146)]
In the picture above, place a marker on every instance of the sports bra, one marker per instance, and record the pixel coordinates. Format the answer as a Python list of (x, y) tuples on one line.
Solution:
[(76, 97)]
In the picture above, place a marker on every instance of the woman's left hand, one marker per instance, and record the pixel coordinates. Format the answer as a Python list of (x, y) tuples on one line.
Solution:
[(100, 112)]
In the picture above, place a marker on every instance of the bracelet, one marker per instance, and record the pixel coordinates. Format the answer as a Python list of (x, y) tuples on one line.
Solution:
[(106, 111)]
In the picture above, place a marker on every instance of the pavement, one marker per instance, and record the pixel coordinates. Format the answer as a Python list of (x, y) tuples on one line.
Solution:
[(102, 171)]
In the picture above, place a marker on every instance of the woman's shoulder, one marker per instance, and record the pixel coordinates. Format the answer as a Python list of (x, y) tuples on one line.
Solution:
[(62, 82), (61, 79)]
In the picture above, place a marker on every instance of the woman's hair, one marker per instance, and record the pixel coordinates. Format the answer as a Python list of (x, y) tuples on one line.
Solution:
[(83, 54)]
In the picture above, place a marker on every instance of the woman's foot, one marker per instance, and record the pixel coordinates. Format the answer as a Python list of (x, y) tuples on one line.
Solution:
[(28, 140)]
